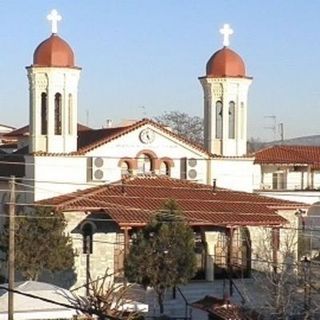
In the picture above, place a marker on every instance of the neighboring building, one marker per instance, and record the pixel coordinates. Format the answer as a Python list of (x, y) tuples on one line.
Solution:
[(288, 172), (4, 129)]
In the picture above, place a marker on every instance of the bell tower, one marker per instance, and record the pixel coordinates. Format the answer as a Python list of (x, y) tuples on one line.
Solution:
[(53, 91), (225, 87)]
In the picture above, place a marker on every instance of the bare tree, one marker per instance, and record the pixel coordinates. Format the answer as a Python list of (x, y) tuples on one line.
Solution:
[(283, 284), (107, 300), (191, 127)]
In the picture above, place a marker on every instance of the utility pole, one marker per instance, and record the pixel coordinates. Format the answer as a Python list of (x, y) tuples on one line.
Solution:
[(11, 268), (281, 128)]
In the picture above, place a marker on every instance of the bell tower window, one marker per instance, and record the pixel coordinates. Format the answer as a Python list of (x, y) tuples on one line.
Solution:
[(219, 119), (57, 113), (70, 114), (232, 120), (44, 120)]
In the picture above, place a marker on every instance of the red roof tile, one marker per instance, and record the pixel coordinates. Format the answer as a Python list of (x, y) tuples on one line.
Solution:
[(289, 155), (24, 131), (135, 200)]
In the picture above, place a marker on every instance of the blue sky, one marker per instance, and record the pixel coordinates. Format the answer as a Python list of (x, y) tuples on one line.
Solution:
[(151, 52)]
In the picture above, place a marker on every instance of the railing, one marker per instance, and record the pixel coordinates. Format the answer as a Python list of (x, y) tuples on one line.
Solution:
[(185, 301)]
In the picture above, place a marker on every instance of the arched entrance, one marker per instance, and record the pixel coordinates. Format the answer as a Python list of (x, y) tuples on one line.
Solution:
[(239, 254)]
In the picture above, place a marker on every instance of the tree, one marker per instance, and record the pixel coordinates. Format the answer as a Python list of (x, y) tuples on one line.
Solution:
[(40, 243), (188, 126), (162, 254)]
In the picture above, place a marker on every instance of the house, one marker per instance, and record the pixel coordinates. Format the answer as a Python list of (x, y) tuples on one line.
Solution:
[(290, 172)]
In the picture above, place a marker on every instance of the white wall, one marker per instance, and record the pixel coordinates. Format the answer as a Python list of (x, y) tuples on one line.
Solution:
[(54, 176), (233, 173)]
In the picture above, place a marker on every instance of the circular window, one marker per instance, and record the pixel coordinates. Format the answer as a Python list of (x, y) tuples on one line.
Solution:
[(98, 162)]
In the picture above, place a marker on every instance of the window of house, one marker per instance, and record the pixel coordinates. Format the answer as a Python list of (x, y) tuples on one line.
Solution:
[(44, 113), (278, 181), (232, 120), (144, 163), (57, 113), (219, 119)]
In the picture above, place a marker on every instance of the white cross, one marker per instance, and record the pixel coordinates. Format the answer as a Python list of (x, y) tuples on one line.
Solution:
[(226, 31), (54, 17)]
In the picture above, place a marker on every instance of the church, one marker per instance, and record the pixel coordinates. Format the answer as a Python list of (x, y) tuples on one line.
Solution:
[(112, 180)]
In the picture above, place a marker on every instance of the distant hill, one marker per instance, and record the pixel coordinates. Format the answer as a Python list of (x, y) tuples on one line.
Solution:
[(314, 140), (304, 141)]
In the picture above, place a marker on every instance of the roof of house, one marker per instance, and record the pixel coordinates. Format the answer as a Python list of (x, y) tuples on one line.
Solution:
[(289, 155), (132, 202)]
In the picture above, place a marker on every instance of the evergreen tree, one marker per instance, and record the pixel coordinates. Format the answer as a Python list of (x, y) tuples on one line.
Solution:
[(40, 243), (162, 254)]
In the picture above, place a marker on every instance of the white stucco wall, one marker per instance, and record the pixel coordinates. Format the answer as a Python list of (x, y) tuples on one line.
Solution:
[(54, 176), (233, 173)]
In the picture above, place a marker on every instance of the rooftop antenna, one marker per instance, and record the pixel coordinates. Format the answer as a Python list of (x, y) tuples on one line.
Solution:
[(144, 112), (281, 130), (273, 125)]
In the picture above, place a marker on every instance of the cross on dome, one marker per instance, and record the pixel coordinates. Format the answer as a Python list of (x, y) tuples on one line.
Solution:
[(54, 17), (226, 31)]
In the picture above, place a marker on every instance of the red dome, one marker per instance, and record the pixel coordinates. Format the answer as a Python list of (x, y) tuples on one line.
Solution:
[(226, 63), (53, 52)]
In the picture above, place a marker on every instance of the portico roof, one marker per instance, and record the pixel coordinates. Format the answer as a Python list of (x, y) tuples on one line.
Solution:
[(132, 202)]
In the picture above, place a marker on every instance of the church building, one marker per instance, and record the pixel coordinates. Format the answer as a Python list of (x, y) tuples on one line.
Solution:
[(114, 179)]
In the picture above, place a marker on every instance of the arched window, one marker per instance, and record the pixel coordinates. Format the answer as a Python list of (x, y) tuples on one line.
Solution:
[(164, 169), (70, 114), (219, 119), (242, 120), (125, 168), (57, 113), (144, 163), (232, 122), (44, 112)]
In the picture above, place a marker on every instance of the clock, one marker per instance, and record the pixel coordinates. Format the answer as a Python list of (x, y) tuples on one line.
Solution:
[(147, 136)]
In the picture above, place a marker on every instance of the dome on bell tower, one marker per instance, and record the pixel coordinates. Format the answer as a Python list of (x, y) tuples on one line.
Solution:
[(53, 52)]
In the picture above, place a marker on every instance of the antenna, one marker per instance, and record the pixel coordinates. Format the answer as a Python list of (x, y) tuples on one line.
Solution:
[(144, 112), (273, 125)]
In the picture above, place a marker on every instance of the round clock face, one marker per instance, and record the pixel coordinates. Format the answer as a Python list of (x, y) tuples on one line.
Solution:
[(147, 136)]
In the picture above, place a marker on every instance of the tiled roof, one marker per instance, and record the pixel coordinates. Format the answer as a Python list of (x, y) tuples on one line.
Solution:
[(289, 155), (90, 140), (134, 200), (24, 131)]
